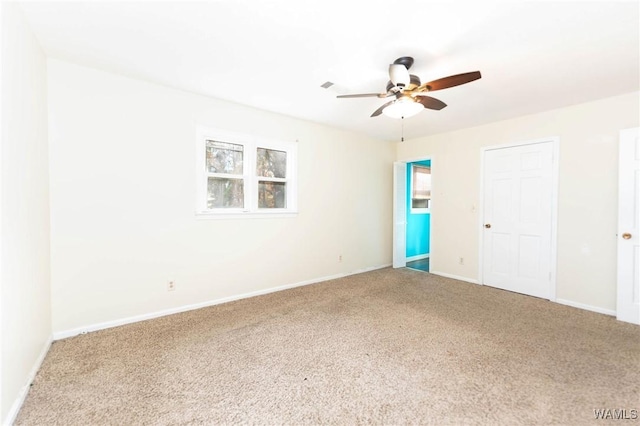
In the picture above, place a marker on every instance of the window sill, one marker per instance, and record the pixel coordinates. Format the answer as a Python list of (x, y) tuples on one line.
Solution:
[(207, 215), (420, 211)]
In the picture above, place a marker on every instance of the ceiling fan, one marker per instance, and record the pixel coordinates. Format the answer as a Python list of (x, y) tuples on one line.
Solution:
[(410, 94)]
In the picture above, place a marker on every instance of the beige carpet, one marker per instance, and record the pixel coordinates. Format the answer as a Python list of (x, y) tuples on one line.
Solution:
[(384, 347)]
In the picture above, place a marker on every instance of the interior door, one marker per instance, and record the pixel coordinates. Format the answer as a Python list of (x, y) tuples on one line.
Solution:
[(628, 308), (517, 214), (399, 215)]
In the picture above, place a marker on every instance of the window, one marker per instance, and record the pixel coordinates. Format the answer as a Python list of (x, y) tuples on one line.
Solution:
[(244, 176), (420, 189)]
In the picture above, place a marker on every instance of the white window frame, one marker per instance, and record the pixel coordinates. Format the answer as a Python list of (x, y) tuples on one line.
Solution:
[(251, 144), (417, 210)]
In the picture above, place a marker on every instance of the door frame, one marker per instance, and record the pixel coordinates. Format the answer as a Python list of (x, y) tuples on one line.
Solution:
[(406, 162), (399, 243), (555, 148)]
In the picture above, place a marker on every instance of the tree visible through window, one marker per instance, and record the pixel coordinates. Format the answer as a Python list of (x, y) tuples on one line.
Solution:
[(225, 181), (241, 175), (272, 172)]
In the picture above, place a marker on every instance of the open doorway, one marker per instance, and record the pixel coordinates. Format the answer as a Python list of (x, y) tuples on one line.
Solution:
[(412, 214), (418, 214)]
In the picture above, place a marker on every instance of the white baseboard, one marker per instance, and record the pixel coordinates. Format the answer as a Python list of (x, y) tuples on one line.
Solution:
[(417, 257), (455, 277), (560, 301), (586, 307), (137, 318), (17, 404)]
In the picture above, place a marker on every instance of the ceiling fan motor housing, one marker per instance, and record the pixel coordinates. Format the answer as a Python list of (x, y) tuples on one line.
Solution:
[(406, 61), (399, 75), (414, 81)]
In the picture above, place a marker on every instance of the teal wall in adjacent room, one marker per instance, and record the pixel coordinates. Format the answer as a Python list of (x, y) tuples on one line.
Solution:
[(418, 225)]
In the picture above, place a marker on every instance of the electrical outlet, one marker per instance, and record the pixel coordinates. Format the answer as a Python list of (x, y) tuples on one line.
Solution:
[(171, 285), (461, 261), (340, 258)]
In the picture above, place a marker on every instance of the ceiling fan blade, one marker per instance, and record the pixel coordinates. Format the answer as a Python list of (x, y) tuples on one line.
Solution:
[(379, 110), (366, 95), (429, 102), (451, 81)]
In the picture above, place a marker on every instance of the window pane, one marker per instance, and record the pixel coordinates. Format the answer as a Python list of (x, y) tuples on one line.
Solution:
[(272, 195), (421, 182), (420, 203), (271, 163), (223, 193), (224, 157)]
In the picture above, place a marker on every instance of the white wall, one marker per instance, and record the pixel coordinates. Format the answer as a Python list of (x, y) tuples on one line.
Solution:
[(123, 200), (587, 210), (24, 210)]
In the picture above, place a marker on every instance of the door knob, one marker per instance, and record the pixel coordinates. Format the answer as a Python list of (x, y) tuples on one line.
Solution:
[(626, 236), (487, 225)]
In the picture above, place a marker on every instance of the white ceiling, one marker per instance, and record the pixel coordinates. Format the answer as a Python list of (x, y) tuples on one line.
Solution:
[(275, 54)]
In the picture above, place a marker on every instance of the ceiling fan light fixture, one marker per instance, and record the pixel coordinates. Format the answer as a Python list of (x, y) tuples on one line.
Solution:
[(403, 108)]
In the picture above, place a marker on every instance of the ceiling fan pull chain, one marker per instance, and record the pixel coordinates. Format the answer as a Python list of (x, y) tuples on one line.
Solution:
[(402, 123)]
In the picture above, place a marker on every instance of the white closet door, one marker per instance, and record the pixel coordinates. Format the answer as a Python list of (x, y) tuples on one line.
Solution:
[(628, 308), (517, 233)]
